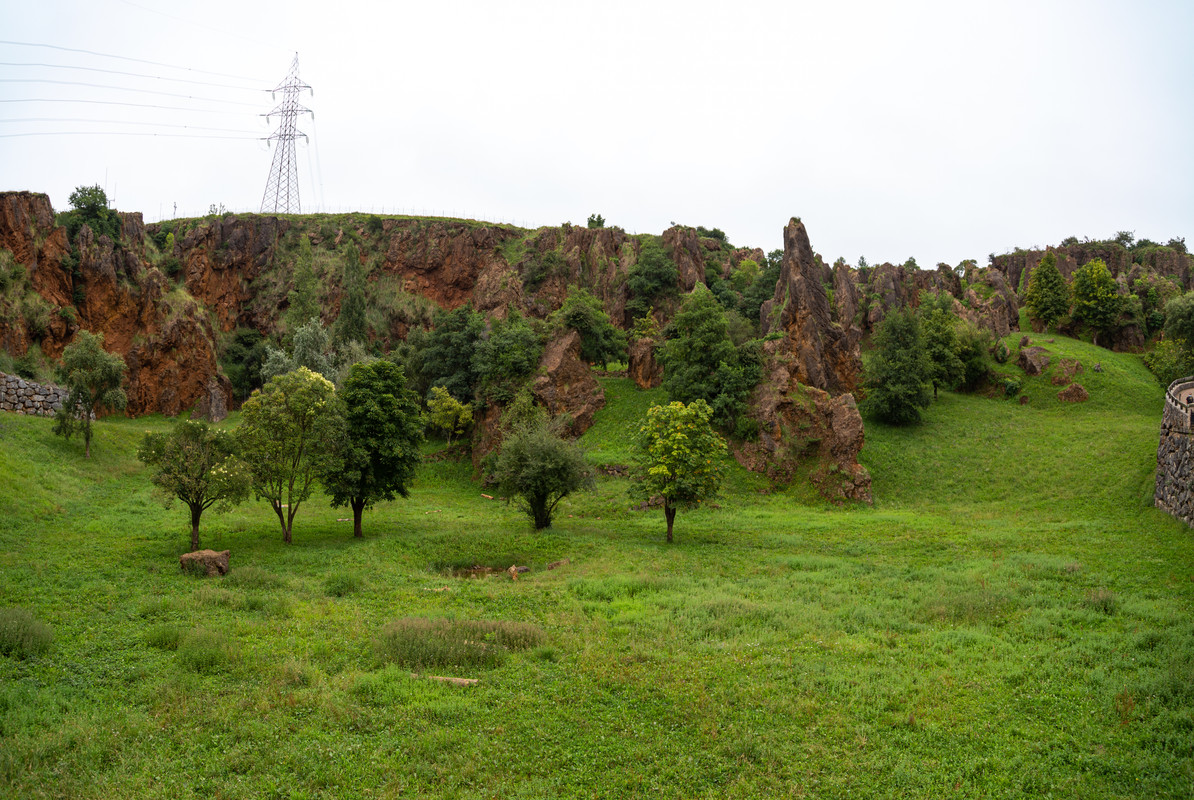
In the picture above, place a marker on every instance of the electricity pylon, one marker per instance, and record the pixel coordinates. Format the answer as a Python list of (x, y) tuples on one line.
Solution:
[(282, 188)]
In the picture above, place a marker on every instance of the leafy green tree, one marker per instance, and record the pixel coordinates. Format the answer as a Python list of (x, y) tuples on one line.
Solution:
[(596, 221), (90, 201), (937, 323), (304, 297), (1179, 319), (761, 289), (243, 357), (505, 355), (379, 452), (678, 457), (447, 414), (1047, 298), (540, 469), (600, 341), (1096, 297), (652, 277), (448, 354), (351, 326), (1169, 360), (289, 433), (973, 349), (898, 376), (198, 465), (700, 360), (311, 348), (92, 378)]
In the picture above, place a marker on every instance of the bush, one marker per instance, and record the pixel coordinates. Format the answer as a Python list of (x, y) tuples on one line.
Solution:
[(1001, 353), (1011, 387), (418, 642), (205, 651), (22, 635), (540, 469), (373, 225)]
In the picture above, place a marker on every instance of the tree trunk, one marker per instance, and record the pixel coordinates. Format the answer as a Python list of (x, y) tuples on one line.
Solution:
[(934, 390), (669, 513), (282, 521), (358, 505), (196, 512)]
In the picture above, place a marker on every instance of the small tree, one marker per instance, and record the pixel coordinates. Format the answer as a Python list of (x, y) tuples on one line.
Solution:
[(540, 469), (304, 297), (447, 414), (1097, 301), (351, 325), (937, 321), (92, 378), (1047, 298), (1179, 319), (378, 455), (652, 277), (678, 457), (600, 341), (289, 434), (596, 221), (198, 465), (898, 377)]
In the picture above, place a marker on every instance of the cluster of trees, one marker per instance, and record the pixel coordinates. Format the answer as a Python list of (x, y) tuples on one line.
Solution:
[(917, 353)]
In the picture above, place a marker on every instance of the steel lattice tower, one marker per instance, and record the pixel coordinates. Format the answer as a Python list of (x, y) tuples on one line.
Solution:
[(282, 188)]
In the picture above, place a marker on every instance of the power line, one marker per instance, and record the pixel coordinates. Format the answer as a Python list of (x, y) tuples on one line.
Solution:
[(118, 103), (123, 122), (127, 133), (132, 74), (126, 89), (127, 58)]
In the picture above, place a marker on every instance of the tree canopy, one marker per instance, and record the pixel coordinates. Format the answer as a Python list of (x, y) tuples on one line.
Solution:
[(652, 277), (537, 469), (379, 451), (938, 322), (1096, 297), (899, 374), (92, 377), (1048, 297), (600, 341), (303, 299), (288, 435), (678, 457), (351, 325), (198, 465)]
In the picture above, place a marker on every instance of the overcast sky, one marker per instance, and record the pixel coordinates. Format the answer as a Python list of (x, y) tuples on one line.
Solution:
[(940, 130)]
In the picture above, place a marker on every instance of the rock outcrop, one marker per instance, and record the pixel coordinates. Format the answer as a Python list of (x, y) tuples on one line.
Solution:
[(565, 385), (641, 366), (1074, 393), (1033, 360), (819, 351), (797, 424), (205, 562)]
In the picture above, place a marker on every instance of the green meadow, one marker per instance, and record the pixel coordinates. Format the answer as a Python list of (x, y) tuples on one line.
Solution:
[(1011, 618)]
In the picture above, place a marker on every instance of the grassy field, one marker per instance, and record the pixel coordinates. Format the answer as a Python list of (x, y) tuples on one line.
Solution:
[(1012, 618)]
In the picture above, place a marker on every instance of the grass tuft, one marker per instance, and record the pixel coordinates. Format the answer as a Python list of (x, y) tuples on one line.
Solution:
[(342, 584), (419, 642), (1101, 600), (205, 651), (163, 637), (251, 577), (22, 635)]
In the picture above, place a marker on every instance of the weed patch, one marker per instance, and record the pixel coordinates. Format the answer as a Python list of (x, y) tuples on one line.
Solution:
[(205, 651), (419, 642), (22, 635)]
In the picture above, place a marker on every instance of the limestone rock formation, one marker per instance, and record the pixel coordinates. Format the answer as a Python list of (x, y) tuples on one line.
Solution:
[(643, 369), (820, 352), (1033, 360), (1074, 393), (798, 423), (565, 384), (207, 562)]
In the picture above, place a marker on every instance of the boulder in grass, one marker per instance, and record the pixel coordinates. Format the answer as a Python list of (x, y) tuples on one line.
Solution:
[(205, 562), (1074, 393)]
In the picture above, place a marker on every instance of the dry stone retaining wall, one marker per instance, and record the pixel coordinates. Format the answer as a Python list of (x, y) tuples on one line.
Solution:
[(1175, 453), (26, 397)]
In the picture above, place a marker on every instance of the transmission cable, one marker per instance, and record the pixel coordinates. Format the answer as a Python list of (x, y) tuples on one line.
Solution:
[(132, 74), (127, 58), (118, 103)]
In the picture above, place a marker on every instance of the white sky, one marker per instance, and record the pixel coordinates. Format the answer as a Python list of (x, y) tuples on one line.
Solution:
[(940, 130)]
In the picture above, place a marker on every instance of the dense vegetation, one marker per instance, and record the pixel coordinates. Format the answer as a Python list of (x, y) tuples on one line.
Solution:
[(1010, 619)]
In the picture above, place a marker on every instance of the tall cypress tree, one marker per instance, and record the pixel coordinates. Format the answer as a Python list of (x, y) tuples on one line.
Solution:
[(1048, 298), (351, 325)]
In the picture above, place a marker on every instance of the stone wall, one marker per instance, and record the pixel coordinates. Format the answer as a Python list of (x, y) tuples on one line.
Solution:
[(25, 397), (1175, 453)]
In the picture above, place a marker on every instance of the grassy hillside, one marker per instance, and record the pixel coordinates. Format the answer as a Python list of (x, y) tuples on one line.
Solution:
[(1011, 618)]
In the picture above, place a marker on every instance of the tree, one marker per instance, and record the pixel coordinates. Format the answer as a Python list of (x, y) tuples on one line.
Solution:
[(1047, 298), (92, 378), (448, 354), (447, 414), (937, 321), (91, 201), (973, 349), (540, 469), (596, 221), (678, 457), (310, 349), (288, 435), (90, 208), (351, 325), (504, 355), (1096, 297), (600, 341), (700, 360), (304, 297), (1179, 319), (198, 465), (898, 377), (653, 276), (379, 452)]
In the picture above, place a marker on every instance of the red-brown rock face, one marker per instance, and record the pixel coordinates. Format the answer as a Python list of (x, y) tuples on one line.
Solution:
[(821, 353), (565, 384)]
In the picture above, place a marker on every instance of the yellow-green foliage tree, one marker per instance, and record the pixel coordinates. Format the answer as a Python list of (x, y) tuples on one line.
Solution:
[(447, 414), (93, 377), (678, 457)]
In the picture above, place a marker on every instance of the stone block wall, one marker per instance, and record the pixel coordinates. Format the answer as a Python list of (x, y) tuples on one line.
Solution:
[(26, 397), (1175, 453)]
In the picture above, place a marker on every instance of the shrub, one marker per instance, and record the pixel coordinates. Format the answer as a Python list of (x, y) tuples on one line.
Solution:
[(419, 642), (1001, 353), (163, 637), (205, 651), (1011, 387), (22, 635), (540, 469), (373, 225)]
